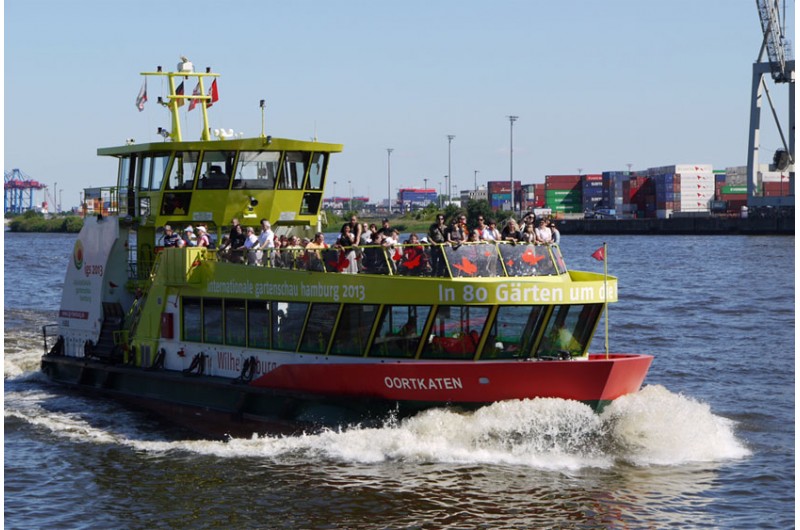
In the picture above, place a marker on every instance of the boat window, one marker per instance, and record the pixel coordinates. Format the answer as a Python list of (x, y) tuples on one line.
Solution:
[(181, 175), (159, 169), (513, 332), (144, 173), (212, 320), (192, 320), (352, 333), (316, 171), (560, 264), (235, 323), (310, 203), (527, 260), (257, 170), (176, 203), (124, 171), (287, 324), (473, 260), (258, 324), (569, 330), (216, 170), (319, 328), (294, 170), (456, 332), (399, 331)]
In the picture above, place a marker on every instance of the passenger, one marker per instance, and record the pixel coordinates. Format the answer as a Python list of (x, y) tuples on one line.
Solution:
[(386, 228), (529, 219), (314, 252), (456, 233), (250, 247), (414, 261), (511, 231), (374, 257), (170, 238), (355, 227), (202, 237), (188, 237), (475, 236), (437, 235), (528, 234), (554, 230), (480, 227), (543, 234), (491, 233), (266, 242), (347, 244), (237, 236), (366, 235)]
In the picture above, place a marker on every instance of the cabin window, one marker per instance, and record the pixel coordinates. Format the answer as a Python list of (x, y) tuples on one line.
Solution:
[(316, 171), (192, 320), (287, 324), (144, 173), (310, 204), (294, 170), (399, 331), (352, 333), (569, 330), (319, 328), (212, 320), (527, 260), (176, 203), (258, 324), (235, 323), (159, 164), (456, 332), (216, 170), (513, 332), (473, 260), (181, 176), (257, 170)]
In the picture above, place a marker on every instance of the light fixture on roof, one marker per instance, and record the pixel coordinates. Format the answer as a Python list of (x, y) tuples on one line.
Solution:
[(163, 132), (185, 66)]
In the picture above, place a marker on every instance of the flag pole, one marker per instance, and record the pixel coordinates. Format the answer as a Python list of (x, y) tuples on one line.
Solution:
[(605, 289)]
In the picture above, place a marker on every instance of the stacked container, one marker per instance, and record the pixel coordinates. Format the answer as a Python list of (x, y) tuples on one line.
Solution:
[(592, 194), (563, 193), (500, 194), (696, 187), (614, 182)]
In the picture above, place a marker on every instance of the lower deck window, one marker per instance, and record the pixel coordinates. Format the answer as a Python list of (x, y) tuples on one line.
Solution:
[(352, 333), (456, 332), (192, 320), (569, 330), (212, 321), (288, 319), (399, 331)]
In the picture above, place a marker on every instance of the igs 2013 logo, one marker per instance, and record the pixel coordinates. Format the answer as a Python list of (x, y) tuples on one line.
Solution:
[(77, 254)]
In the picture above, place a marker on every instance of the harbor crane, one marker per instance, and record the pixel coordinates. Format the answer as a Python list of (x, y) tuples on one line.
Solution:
[(781, 68)]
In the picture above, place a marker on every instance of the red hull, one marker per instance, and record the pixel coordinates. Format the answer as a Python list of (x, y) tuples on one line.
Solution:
[(598, 379)]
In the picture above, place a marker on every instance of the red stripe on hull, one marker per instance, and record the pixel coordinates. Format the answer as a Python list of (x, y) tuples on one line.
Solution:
[(468, 382)]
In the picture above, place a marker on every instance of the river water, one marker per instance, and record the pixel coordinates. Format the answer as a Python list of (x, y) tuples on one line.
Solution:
[(707, 443)]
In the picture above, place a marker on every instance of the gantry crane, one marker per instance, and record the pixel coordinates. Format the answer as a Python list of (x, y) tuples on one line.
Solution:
[(781, 68)]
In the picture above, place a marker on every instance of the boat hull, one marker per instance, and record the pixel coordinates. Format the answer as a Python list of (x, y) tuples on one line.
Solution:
[(297, 397)]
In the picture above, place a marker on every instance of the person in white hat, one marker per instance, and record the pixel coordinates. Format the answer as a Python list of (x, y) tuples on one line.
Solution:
[(202, 237), (189, 237), (266, 240)]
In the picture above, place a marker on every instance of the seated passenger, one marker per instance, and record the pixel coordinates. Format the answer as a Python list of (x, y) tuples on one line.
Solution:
[(170, 238)]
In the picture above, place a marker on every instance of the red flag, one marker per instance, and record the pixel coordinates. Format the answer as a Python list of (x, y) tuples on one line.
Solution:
[(195, 92), (179, 92), (599, 254), (213, 93), (142, 97)]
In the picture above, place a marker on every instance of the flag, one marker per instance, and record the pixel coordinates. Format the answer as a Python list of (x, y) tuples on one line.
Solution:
[(179, 92), (195, 92), (142, 97), (599, 254), (212, 92)]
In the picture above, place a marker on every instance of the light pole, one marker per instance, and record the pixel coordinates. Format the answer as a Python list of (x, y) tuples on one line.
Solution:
[(440, 194), (333, 202), (511, 120), (476, 179), (449, 174), (389, 173), (58, 208), (350, 193)]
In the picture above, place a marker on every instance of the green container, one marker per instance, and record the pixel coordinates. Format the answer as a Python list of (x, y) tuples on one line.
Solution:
[(730, 190)]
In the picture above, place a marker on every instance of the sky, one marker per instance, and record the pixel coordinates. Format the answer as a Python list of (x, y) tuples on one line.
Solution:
[(595, 85)]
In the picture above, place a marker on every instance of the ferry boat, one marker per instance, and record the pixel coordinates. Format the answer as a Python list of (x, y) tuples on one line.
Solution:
[(237, 341)]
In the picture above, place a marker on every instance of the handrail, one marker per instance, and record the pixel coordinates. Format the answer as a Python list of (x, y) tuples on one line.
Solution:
[(470, 259)]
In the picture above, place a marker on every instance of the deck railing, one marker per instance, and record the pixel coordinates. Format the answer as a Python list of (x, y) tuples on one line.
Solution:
[(482, 259)]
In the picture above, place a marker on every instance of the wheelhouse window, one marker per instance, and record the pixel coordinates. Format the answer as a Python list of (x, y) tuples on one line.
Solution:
[(287, 324), (399, 331), (181, 175), (145, 167), (352, 333), (319, 329), (212, 320), (569, 330), (235, 323), (294, 170), (456, 332), (192, 320), (257, 170), (258, 324), (316, 171), (216, 170), (159, 168), (513, 332)]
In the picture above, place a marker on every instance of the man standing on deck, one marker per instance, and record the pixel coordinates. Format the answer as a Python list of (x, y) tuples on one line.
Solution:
[(170, 238)]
